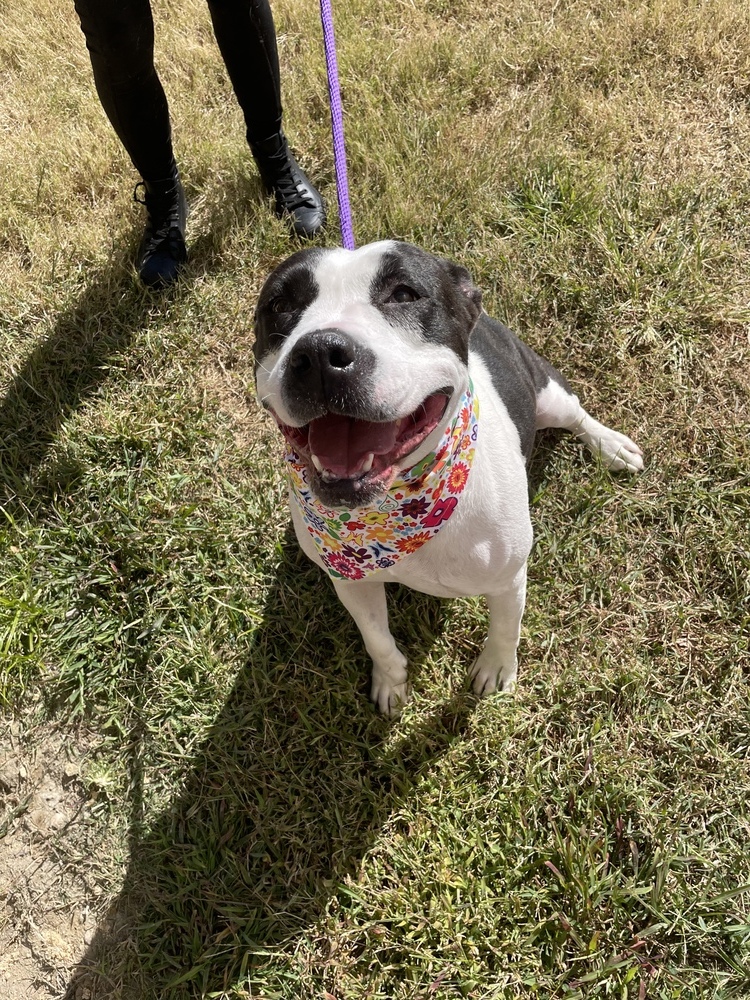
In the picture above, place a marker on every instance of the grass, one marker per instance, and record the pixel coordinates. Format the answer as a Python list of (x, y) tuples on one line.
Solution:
[(260, 832)]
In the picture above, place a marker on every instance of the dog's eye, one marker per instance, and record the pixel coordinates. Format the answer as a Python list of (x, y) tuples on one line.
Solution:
[(281, 305), (403, 293)]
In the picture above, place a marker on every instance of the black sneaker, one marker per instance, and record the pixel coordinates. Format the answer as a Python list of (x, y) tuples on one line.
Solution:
[(295, 195), (162, 251)]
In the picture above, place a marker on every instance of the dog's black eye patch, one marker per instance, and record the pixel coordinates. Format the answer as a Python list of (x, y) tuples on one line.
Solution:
[(402, 294), (288, 291)]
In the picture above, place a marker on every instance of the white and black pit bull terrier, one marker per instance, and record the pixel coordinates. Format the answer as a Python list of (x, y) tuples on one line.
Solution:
[(410, 417)]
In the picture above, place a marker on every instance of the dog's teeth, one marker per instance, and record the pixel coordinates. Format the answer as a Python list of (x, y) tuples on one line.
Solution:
[(317, 463), (367, 464)]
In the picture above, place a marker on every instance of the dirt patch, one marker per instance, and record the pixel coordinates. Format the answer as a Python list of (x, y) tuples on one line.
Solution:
[(48, 897)]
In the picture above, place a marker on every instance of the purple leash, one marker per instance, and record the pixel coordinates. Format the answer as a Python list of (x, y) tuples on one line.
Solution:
[(337, 126)]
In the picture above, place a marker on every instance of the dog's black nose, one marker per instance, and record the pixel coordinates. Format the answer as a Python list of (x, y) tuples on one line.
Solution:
[(328, 368), (322, 352)]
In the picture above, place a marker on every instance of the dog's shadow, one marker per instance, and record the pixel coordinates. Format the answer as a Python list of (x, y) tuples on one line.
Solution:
[(278, 807), (274, 810)]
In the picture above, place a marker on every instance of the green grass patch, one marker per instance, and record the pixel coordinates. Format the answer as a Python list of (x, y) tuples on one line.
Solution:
[(263, 833)]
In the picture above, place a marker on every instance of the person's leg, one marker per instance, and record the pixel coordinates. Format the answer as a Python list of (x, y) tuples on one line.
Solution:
[(120, 39), (246, 37)]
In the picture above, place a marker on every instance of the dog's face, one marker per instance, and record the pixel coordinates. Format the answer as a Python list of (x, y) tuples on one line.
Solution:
[(358, 357)]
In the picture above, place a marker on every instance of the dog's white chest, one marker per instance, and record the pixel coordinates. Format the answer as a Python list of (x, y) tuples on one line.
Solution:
[(489, 536)]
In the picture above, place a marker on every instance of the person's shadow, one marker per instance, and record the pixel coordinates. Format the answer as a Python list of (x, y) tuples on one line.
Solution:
[(67, 368), (61, 373)]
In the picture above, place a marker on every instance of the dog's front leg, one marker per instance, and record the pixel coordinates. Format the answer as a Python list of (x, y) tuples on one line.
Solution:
[(496, 666), (365, 602)]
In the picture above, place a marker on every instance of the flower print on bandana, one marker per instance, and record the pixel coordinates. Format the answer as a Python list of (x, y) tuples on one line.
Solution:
[(378, 533), (359, 555), (458, 477), (416, 507), (441, 511), (410, 543), (339, 566), (356, 543)]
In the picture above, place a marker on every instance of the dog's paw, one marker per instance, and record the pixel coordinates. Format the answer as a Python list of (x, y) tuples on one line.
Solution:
[(388, 696), (618, 452), (488, 676)]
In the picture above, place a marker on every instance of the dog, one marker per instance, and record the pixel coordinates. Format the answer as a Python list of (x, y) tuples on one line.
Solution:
[(410, 416)]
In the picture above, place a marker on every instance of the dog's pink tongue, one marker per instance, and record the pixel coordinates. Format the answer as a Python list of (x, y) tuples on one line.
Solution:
[(342, 444)]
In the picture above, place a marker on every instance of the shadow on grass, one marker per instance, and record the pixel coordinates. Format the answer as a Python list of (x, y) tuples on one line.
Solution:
[(545, 445), (63, 371), (67, 368), (289, 790)]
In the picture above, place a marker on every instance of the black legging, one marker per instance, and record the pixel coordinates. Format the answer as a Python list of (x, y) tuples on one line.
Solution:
[(120, 39)]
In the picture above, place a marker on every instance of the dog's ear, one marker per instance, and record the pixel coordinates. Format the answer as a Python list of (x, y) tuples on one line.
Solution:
[(461, 280), (470, 290)]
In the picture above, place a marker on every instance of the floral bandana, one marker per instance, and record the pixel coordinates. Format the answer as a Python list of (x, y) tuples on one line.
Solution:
[(355, 543)]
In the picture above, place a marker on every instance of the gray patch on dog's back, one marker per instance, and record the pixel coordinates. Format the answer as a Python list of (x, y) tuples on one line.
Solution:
[(518, 374)]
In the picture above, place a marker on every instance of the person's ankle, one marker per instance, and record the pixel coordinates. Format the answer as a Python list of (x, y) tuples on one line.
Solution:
[(162, 251), (296, 197)]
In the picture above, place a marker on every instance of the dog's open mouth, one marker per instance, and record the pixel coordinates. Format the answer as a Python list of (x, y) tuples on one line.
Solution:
[(346, 450)]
